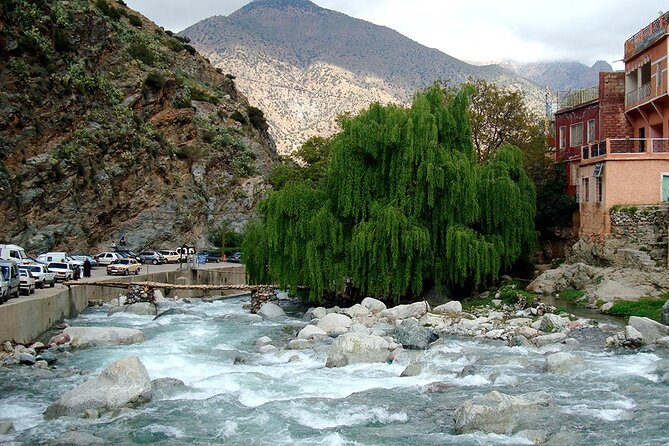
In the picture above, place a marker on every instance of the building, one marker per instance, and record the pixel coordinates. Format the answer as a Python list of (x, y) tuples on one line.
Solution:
[(586, 117), (627, 163)]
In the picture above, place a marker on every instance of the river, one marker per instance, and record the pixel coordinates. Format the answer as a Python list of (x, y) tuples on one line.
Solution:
[(238, 396)]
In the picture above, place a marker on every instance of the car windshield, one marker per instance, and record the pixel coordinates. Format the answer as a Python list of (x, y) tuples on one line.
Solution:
[(23, 272), (5, 272), (35, 269), (123, 262), (58, 265)]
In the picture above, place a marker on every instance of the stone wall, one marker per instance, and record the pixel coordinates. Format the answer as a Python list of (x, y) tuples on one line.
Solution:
[(644, 227)]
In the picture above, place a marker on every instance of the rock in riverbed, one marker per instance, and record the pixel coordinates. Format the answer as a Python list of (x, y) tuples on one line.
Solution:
[(124, 383), (82, 337), (352, 348)]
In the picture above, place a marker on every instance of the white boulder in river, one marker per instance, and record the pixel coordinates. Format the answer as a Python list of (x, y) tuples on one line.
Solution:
[(335, 323), (271, 310), (353, 348), (82, 337), (415, 310), (373, 305), (124, 383), (650, 330), (498, 413)]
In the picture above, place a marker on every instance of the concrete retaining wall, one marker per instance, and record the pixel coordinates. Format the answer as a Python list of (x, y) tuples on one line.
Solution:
[(24, 320)]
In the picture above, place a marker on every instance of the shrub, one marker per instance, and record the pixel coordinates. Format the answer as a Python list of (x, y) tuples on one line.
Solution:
[(257, 118), (174, 45), (198, 93), (155, 80), (107, 10), (190, 49), (239, 117), (135, 21), (649, 307), (141, 51), (184, 39)]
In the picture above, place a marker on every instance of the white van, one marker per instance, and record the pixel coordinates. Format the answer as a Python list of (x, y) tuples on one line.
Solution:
[(13, 252), (52, 257)]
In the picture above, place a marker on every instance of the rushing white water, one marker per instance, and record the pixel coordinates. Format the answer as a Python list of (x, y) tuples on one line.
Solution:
[(264, 399)]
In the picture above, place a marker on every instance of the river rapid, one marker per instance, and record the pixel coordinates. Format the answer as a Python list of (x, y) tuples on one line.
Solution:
[(237, 396)]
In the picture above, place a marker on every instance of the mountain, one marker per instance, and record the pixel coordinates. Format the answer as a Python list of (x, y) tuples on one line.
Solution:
[(304, 65), (111, 126), (560, 76)]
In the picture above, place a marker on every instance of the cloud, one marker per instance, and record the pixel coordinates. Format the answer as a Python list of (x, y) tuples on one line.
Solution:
[(473, 30)]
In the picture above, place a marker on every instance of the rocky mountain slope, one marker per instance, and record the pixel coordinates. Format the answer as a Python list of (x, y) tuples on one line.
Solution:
[(561, 76), (304, 64), (111, 126)]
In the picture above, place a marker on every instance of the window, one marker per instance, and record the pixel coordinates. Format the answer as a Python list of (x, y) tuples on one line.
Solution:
[(563, 137), (585, 193), (599, 185), (591, 131), (576, 134), (658, 76)]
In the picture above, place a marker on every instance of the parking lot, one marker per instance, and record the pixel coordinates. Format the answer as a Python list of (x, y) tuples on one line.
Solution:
[(100, 273)]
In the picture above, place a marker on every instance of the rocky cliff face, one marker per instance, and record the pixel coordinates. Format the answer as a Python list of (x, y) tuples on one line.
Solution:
[(304, 65), (111, 126), (561, 76)]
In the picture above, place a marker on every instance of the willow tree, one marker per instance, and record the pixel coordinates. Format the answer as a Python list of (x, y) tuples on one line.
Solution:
[(404, 202)]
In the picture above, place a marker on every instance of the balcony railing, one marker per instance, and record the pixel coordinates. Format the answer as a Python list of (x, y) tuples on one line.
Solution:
[(647, 36), (637, 95), (630, 146), (579, 97)]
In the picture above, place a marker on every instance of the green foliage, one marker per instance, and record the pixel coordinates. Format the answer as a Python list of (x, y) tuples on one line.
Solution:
[(257, 118), (135, 21), (109, 11), (402, 201), (649, 307), (573, 295), (141, 51), (155, 80), (554, 205)]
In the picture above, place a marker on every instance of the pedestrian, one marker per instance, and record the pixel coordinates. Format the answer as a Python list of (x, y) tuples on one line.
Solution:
[(87, 268)]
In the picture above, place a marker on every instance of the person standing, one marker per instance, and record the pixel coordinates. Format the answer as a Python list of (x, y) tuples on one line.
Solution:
[(87, 268)]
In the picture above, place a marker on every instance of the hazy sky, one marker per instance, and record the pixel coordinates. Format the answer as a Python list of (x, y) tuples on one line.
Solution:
[(472, 30)]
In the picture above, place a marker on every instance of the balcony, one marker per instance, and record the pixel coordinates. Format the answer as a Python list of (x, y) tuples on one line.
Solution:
[(647, 36), (637, 95), (579, 97), (627, 148)]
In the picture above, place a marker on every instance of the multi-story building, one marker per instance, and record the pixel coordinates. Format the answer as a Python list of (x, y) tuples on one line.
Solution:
[(628, 163)]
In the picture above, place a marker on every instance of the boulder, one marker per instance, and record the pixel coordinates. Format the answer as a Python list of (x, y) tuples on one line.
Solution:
[(664, 316), (26, 359), (82, 337), (167, 387), (359, 328), (311, 332), (412, 369), (123, 383), (139, 308), (528, 332), (356, 310), (498, 413), (48, 356), (335, 323), (649, 329), (520, 341), (438, 322), (319, 312), (373, 305), (352, 348), (60, 339), (76, 438), (6, 428), (448, 308), (412, 335), (415, 310), (271, 310), (8, 347), (633, 335), (563, 362), (267, 348), (606, 307), (548, 339), (261, 342), (551, 323), (300, 344)]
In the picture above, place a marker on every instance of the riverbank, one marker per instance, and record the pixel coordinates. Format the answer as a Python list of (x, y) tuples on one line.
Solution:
[(23, 320)]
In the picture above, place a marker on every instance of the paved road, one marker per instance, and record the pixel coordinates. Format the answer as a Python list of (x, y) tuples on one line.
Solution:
[(100, 273)]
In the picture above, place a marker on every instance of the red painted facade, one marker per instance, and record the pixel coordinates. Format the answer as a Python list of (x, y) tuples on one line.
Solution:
[(605, 113)]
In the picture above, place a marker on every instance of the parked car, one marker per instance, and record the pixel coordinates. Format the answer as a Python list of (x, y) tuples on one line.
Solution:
[(211, 256), (13, 252), (10, 273), (170, 256), (27, 283), (41, 274), (129, 255), (58, 256), (235, 257), (124, 267), (107, 258), (63, 270), (152, 257), (83, 257), (4, 290)]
